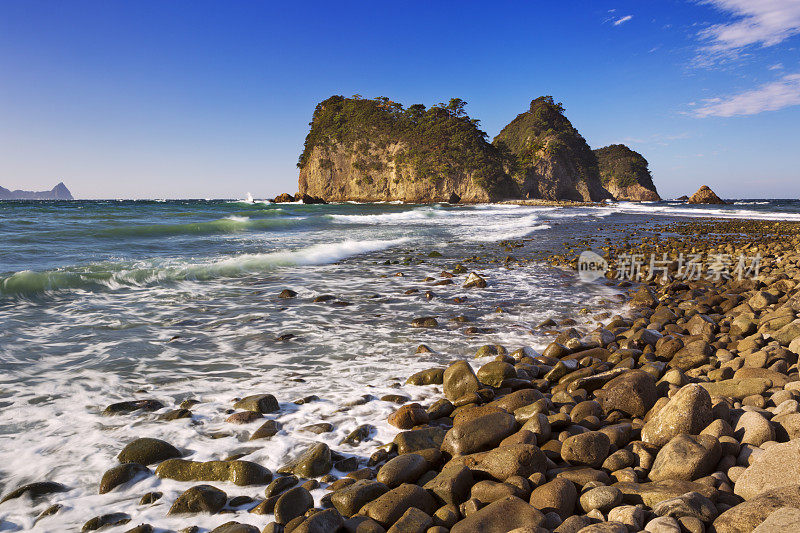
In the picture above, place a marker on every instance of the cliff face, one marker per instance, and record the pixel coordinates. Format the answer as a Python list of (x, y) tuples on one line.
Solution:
[(375, 150), (547, 157), (59, 192), (625, 174)]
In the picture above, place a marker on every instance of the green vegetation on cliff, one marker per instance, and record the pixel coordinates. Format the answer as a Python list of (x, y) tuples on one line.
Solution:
[(433, 142), (544, 131), (623, 166)]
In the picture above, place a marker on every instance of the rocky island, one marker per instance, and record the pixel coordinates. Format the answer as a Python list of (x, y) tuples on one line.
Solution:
[(59, 192), (373, 150)]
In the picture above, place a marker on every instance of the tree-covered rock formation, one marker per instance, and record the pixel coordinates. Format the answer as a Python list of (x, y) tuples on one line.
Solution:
[(625, 175), (377, 150), (547, 157)]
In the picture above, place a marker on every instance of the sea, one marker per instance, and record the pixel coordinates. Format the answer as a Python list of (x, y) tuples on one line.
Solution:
[(108, 301)]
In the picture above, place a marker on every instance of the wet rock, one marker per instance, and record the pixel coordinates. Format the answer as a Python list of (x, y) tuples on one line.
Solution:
[(406, 468), (602, 498), (235, 527), (389, 507), (432, 376), (412, 521), (586, 449), (315, 461), (292, 503), (122, 474), (240, 473), (350, 499), (280, 484), (144, 528), (243, 417), (106, 520), (507, 461), (258, 403), (408, 416), (419, 439), (634, 393), (690, 504), (266, 430), (744, 518), (495, 373), (479, 434), (459, 380), (501, 516), (199, 499), (558, 495), (321, 522), (686, 457), (689, 411), (318, 429), (358, 435), (147, 451), (35, 490), (50, 511), (133, 405), (474, 280), (452, 484), (779, 465), (287, 293), (176, 414), (150, 498), (424, 322)]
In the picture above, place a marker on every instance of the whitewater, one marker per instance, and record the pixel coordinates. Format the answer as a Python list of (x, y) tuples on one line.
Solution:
[(107, 301)]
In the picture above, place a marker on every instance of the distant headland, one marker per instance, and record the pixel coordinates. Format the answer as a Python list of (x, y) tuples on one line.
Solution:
[(373, 150), (59, 192)]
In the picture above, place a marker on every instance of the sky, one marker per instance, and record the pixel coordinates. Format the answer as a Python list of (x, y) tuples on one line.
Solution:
[(212, 99)]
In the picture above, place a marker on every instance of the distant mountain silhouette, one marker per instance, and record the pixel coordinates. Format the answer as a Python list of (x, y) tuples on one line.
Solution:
[(59, 192)]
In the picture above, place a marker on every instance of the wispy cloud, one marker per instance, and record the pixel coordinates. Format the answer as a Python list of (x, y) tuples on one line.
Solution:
[(769, 97), (623, 20), (755, 22), (776, 66)]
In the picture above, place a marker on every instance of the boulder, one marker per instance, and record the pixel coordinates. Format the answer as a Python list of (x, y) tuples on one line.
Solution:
[(147, 451), (586, 449), (315, 461), (501, 516), (686, 457), (479, 434), (406, 468), (691, 504), (746, 516), (459, 380), (558, 495), (389, 507), (633, 393), (508, 461), (452, 484), (780, 521), (778, 466), (292, 503), (199, 499), (688, 412), (353, 497), (240, 473), (122, 474)]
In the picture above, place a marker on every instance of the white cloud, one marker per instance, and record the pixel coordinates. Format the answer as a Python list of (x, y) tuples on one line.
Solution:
[(756, 22), (623, 20), (769, 97), (776, 66)]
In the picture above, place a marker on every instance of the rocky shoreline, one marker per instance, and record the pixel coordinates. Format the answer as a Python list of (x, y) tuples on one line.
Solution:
[(681, 414)]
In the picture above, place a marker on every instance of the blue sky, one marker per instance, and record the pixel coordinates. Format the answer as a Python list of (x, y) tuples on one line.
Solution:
[(212, 99)]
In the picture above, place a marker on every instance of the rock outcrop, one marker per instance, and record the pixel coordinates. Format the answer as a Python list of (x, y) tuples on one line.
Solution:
[(625, 174), (376, 150), (548, 158), (705, 195), (59, 192)]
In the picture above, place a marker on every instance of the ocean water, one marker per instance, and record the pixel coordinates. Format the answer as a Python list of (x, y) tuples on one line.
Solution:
[(105, 301)]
